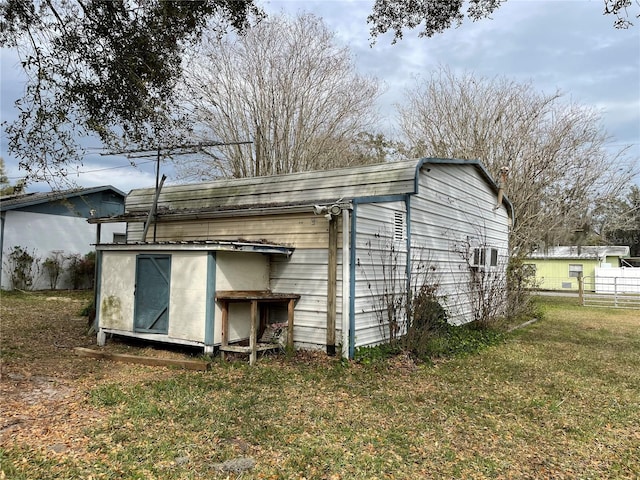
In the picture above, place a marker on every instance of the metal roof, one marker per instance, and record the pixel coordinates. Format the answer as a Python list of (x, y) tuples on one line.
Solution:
[(341, 184), (588, 252), (14, 202), (202, 245)]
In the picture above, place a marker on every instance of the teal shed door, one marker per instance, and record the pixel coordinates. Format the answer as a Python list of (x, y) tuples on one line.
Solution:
[(151, 314)]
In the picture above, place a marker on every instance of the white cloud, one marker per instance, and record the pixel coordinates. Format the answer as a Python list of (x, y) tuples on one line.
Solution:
[(565, 45)]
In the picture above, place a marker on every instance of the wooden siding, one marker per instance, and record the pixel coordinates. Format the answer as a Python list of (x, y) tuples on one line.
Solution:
[(321, 186), (454, 211), (374, 239), (306, 273), (300, 230)]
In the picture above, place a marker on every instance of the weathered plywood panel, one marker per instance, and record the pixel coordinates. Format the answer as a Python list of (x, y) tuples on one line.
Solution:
[(117, 288), (242, 271), (188, 295), (239, 271)]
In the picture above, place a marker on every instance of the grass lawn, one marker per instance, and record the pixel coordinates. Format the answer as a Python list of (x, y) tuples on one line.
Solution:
[(557, 399)]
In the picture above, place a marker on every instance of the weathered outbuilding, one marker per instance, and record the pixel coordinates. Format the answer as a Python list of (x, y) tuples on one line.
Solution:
[(558, 267), (338, 239), (47, 223)]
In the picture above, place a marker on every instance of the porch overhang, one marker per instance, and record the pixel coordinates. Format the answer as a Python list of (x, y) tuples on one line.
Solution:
[(199, 245)]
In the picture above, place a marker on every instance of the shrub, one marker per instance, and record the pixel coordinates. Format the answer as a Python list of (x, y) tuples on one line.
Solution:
[(23, 268), (53, 266), (82, 270)]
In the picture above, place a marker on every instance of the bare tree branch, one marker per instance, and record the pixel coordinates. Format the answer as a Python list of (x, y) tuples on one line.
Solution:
[(287, 86), (558, 154)]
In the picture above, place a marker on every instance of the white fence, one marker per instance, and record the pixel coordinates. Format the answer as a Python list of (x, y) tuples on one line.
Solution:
[(612, 287)]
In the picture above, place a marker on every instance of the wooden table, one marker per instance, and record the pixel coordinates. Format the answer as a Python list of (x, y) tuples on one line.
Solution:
[(255, 298)]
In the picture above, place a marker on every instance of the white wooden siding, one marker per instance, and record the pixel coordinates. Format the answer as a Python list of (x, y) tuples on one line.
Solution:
[(452, 208), (374, 237), (306, 273), (304, 230), (455, 209)]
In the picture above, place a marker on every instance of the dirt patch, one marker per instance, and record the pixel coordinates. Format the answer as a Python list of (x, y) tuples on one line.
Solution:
[(44, 385)]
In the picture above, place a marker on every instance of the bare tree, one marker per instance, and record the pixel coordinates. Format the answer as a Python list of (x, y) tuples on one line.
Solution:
[(617, 222), (557, 153), (287, 86)]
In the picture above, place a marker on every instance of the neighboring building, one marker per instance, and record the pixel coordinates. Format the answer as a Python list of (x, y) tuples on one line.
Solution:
[(322, 235), (558, 268), (55, 223)]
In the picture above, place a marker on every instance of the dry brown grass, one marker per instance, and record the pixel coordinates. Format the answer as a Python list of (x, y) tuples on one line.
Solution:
[(558, 399)]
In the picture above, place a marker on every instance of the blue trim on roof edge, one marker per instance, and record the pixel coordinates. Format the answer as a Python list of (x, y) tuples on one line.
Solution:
[(409, 266), (38, 198), (398, 197)]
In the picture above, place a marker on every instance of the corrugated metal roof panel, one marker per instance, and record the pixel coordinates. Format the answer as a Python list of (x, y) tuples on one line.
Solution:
[(371, 180), (236, 246), (584, 252), (327, 186), (13, 202)]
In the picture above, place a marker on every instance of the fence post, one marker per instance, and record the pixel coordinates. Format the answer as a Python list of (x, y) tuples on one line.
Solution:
[(615, 291), (580, 288)]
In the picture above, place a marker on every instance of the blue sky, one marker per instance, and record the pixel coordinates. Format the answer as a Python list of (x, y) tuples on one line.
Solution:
[(556, 45)]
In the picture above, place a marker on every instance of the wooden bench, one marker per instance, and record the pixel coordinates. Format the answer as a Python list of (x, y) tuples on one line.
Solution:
[(255, 298)]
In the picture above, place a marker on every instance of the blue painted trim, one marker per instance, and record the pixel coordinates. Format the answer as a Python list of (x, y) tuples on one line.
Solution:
[(352, 284), (353, 250), (407, 203), (210, 310), (379, 199)]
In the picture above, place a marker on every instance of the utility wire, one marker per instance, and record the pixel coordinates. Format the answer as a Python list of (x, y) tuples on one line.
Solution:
[(97, 169)]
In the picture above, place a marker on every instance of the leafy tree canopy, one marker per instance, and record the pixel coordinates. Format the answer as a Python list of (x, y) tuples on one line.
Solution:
[(5, 185), (436, 16), (101, 67)]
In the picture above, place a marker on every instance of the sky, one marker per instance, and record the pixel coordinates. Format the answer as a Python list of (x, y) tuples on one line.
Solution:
[(565, 45)]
